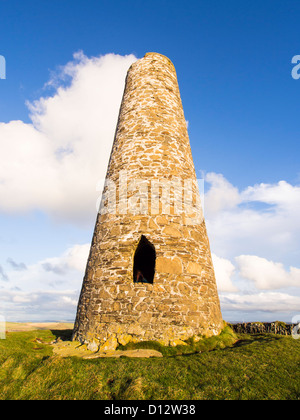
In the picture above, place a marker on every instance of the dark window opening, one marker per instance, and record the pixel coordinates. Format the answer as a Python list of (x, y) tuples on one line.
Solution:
[(144, 262)]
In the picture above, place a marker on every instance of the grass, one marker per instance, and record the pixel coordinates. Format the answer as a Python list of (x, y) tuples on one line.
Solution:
[(254, 367)]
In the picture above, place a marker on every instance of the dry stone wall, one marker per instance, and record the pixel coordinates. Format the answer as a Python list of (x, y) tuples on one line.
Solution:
[(276, 327), (151, 193)]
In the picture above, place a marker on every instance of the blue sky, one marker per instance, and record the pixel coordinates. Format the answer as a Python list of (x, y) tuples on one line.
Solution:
[(233, 62)]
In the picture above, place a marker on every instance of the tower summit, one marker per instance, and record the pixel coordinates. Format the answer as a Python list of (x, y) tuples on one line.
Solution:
[(149, 274)]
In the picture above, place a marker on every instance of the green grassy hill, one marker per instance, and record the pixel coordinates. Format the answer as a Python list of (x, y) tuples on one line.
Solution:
[(245, 367)]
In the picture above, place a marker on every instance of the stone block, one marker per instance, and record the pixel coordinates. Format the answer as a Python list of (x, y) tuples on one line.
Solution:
[(110, 345), (177, 342), (194, 268), (124, 338), (169, 265)]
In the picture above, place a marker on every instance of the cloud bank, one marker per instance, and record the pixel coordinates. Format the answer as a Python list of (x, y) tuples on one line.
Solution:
[(255, 238), (259, 220), (46, 290), (54, 163)]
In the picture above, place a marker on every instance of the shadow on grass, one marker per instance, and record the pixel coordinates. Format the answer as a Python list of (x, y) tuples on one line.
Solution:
[(256, 338), (64, 335)]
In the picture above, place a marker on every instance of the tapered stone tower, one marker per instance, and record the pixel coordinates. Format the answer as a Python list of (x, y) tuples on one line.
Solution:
[(149, 274)]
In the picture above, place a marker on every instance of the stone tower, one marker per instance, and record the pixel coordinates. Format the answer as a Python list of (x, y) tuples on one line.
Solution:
[(149, 274)]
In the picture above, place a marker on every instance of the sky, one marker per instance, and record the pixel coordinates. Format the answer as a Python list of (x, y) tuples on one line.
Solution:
[(66, 64)]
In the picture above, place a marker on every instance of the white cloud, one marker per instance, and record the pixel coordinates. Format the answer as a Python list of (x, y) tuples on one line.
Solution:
[(48, 289), (224, 270), (273, 302), (54, 163), (74, 258), (3, 275), (39, 305), (59, 272), (69, 301), (221, 196), (259, 220), (255, 241), (267, 274), (282, 194)]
